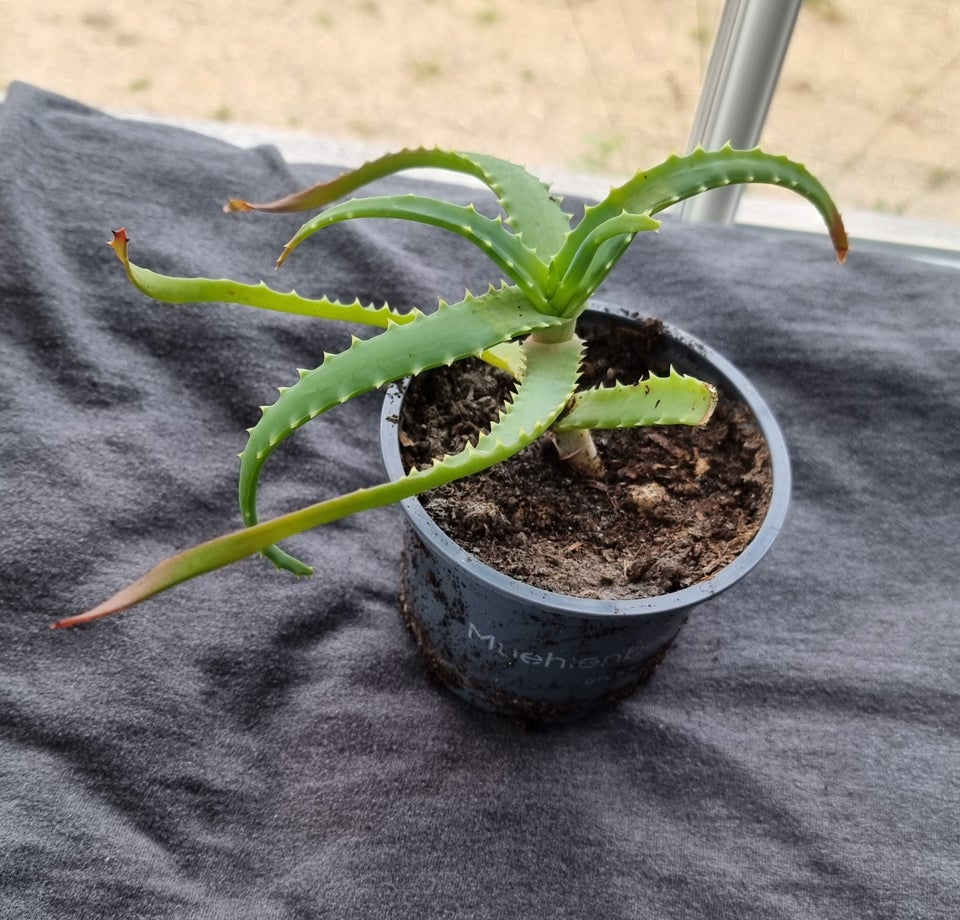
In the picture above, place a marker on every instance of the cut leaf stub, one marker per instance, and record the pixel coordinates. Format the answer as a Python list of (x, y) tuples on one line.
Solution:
[(672, 400)]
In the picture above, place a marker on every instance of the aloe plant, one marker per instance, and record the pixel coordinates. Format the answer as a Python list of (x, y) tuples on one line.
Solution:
[(526, 326)]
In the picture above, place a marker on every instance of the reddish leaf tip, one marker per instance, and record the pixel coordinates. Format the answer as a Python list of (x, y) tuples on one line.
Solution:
[(236, 204), (120, 238), (838, 235), (119, 244), (129, 596), (78, 619)]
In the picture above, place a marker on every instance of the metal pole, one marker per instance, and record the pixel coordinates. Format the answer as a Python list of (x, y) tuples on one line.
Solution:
[(751, 44)]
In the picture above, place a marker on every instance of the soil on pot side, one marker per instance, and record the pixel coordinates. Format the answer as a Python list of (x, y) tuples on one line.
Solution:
[(676, 504)]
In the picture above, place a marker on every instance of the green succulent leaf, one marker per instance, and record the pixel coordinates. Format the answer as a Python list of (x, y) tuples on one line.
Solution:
[(176, 290), (503, 247), (676, 399), (430, 340), (170, 289), (526, 201), (549, 379), (597, 255), (677, 178), (536, 215), (683, 177)]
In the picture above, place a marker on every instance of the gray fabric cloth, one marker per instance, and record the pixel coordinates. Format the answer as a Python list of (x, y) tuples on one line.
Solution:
[(251, 746)]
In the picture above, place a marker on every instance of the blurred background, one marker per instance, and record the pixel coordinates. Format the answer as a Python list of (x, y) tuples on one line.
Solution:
[(867, 97)]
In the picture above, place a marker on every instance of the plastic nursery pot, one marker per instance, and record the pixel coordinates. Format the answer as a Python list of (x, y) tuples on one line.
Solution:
[(542, 656)]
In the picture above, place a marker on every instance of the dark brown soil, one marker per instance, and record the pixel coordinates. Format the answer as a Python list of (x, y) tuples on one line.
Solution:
[(676, 503)]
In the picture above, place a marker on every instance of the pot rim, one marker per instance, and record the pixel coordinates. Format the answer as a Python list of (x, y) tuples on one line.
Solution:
[(454, 554)]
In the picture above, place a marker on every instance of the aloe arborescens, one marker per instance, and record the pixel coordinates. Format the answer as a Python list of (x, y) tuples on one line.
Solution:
[(526, 326)]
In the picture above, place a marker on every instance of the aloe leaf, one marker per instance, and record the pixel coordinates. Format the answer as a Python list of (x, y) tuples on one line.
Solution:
[(593, 261), (683, 177), (504, 248), (530, 209), (677, 178), (548, 382), (434, 339), (549, 379), (176, 290), (171, 289), (607, 254), (676, 399)]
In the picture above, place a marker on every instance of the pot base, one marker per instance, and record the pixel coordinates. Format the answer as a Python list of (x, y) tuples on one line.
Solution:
[(532, 663), (527, 711)]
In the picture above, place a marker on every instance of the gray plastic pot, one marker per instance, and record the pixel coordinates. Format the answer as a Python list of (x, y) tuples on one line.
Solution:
[(541, 656)]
